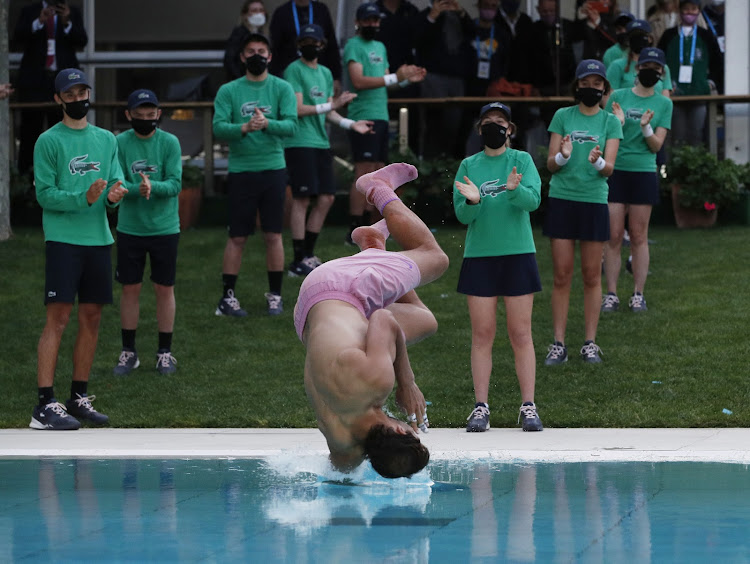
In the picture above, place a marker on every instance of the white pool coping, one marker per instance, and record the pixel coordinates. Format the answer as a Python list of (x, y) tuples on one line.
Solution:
[(551, 445)]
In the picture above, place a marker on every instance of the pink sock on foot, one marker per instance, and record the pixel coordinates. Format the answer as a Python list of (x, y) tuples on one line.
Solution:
[(380, 196), (382, 227), (378, 186)]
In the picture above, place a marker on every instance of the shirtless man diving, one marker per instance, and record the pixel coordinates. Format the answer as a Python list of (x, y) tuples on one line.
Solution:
[(355, 316)]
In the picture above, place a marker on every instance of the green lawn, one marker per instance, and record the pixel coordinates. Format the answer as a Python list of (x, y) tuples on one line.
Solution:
[(678, 365)]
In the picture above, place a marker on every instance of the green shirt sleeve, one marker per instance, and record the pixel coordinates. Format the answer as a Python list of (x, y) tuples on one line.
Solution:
[(222, 123), (465, 212), (528, 194), (172, 183), (115, 174), (614, 74), (133, 187), (286, 125), (48, 194)]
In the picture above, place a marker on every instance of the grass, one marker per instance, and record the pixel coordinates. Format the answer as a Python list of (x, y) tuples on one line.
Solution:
[(248, 372)]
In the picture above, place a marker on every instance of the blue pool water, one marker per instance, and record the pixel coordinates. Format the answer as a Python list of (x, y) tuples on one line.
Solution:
[(294, 509)]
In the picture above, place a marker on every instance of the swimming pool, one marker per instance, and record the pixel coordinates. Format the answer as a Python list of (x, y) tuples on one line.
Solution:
[(293, 508)]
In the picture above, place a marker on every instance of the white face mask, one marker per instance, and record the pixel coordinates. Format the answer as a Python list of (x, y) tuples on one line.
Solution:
[(257, 20)]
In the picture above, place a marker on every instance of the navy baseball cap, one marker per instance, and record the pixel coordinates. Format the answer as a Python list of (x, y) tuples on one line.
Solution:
[(367, 11), (591, 66), (638, 25), (652, 55), (495, 106), (623, 18), (141, 97), (67, 78), (312, 31)]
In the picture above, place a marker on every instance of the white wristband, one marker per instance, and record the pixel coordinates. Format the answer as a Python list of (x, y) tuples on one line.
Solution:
[(390, 79), (600, 164), (323, 108), (404, 83), (560, 160), (346, 123), (647, 130)]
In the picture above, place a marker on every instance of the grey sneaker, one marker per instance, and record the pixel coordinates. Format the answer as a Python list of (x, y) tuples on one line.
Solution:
[(230, 306), (127, 362), (81, 408), (165, 362), (590, 352), (275, 304), (557, 353), (637, 303), (300, 268), (314, 261), (610, 303), (531, 421), (479, 419), (53, 417)]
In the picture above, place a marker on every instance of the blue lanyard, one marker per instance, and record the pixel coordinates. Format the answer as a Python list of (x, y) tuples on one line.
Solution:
[(296, 17), (708, 21), (478, 44), (692, 49)]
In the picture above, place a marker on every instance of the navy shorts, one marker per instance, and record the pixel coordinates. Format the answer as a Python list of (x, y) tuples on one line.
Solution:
[(72, 270), (310, 171), (641, 188), (131, 258), (251, 192), (509, 275), (370, 147), (580, 221)]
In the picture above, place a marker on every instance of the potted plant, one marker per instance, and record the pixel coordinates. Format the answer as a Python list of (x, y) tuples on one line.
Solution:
[(699, 184), (190, 196)]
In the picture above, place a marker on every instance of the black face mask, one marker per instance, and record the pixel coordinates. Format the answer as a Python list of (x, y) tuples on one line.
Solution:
[(639, 42), (589, 96), (309, 52), (622, 39), (494, 135), (648, 77), (368, 32), (144, 126), (256, 64), (77, 110)]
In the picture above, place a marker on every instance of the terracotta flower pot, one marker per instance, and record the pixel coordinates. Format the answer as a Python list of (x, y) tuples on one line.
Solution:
[(689, 218), (189, 207)]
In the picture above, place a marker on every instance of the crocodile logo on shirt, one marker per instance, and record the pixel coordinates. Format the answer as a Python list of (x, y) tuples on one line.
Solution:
[(375, 58), (78, 165), (248, 109), (583, 137), (143, 166), (491, 188), (634, 113), (316, 92)]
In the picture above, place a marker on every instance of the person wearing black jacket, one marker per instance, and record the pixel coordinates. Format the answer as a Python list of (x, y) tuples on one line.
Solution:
[(49, 33), (286, 22), (252, 20)]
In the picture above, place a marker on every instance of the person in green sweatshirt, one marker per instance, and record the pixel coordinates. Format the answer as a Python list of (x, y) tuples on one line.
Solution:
[(255, 113), (148, 225), (77, 177), (494, 192), (308, 154), (582, 150)]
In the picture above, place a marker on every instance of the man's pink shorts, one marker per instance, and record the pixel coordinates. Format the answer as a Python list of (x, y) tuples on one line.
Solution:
[(370, 280)]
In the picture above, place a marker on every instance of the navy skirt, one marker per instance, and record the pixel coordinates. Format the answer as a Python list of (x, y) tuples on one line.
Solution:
[(580, 221), (509, 275), (640, 188)]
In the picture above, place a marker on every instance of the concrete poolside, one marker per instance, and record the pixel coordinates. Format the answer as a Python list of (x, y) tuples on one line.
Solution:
[(551, 445)]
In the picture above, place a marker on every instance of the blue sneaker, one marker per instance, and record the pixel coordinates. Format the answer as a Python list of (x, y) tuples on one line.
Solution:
[(165, 362), (531, 421), (127, 362), (590, 352), (479, 419), (81, 408), (610, 302), (230, 306), (53, 417), (637, 303), (557, 353), (275, 304), (300, 268)]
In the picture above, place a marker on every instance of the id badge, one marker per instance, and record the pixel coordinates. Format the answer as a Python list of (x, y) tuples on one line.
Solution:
[(483, 69), (686, 74), (50, 47)]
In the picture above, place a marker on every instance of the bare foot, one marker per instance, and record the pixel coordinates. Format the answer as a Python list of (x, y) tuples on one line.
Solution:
[(391, 176), (368, 237)]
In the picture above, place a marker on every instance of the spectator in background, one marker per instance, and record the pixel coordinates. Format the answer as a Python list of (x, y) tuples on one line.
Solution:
[(516, 25), (542, 41), (287, 21), (490, 50), (619, 49), (444, 48), (369, 74), (6, 90), (596, 20), (664, 15), (714, 16), (49, 33), (622, 73), (252, 19), (695, 61)]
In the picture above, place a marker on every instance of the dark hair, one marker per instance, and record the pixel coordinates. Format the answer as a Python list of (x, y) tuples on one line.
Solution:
[(256, 38), (394, 455), (574, 86)]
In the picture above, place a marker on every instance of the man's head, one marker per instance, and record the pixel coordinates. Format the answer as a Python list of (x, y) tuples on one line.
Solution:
[(395, 451), (488, 9), (368, 20), (311, 41), (547, 10), (72, 92), (256, 54), (143, 111)]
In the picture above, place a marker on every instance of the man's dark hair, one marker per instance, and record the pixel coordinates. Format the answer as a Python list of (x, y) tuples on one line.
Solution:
[(395, 455), (256, 38)]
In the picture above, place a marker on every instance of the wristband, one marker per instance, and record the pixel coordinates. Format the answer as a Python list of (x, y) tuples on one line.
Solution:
[(404, 83), (323, 108), (390, 79), (647, 130), (560, 160), (346, 123), (600, 164)]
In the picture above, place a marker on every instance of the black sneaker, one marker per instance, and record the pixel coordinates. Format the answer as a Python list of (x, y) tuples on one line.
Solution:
[(590, 352), (531, 421), (127, 362), (299, 269), (81, 408), (479, 419), (230, 306), (557, 353), (629, 264), (312, 261), (53, 417), (610, 302), (165, 362), (637, 303), (275, 304)]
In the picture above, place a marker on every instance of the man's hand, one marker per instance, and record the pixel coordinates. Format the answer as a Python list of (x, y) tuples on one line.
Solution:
[(117, 192), (258, 122), (363, 126), (438, 7), (145, 186), (412, 73), (468, 190), (514, 179), (47, 13), (411, 401), (95, 190), (342, 99), (63, 12)]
